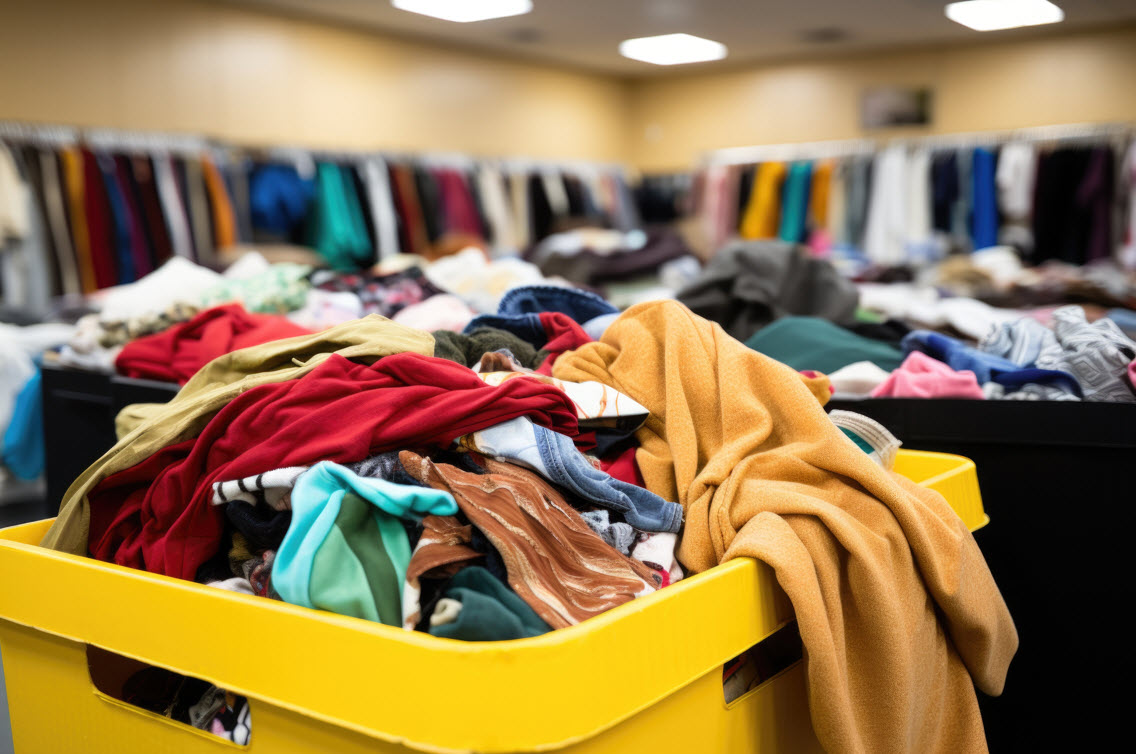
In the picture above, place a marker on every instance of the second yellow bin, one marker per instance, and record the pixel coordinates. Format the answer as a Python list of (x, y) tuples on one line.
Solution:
[(646, 676)]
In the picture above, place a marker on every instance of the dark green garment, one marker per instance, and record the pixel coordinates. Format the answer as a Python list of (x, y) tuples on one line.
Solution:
[(813, 343), (490, 610), (352, 572), (467, 350)]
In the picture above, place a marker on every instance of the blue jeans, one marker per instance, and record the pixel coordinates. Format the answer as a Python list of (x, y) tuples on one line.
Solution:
[(555, 456)]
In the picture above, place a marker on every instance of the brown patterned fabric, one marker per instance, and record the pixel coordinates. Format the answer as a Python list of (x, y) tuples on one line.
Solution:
[(556, 563)]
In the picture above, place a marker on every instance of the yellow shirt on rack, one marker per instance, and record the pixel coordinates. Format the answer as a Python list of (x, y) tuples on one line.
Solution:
[(72, 162), (763, 211)]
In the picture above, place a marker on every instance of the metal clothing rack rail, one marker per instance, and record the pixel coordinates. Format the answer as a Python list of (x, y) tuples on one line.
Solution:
[(837, 149), (157, 141)]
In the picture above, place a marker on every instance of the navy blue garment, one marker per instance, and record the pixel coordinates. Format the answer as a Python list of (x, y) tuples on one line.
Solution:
[(527, 327), (534, 299), (519, 309), (944, 190), (119, 220), (984, 200), (986, 366), (279, 198)]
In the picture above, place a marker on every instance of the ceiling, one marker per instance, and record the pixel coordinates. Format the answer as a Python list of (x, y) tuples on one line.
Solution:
[(586, 33)]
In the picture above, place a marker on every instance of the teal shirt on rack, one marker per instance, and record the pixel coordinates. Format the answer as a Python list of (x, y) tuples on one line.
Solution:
[(795, 202)]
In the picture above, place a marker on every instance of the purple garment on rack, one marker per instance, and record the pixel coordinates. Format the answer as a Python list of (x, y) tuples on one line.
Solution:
[(143, 264), (1095, 196), (458, 207)]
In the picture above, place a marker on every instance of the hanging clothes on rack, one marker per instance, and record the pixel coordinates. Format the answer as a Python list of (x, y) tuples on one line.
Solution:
[(762, 214), (1015, 178), (887, 222), (795, 201), (380, 201)]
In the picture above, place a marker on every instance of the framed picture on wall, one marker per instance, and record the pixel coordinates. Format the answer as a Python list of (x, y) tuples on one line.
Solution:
[(889, 106)]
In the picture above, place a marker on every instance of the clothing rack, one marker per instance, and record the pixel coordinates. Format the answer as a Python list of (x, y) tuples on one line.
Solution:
[(160, 141), (844, 148)]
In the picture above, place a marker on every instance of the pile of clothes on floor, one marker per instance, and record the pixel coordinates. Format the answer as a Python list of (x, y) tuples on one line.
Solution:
[(928, 340), (540, 465)]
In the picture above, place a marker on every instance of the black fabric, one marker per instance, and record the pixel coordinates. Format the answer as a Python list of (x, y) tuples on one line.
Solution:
[(745, 190), (541, 219), (890, 331), (748, 284), (1060, 221), (944, 190), (430, 198), (263, 527)]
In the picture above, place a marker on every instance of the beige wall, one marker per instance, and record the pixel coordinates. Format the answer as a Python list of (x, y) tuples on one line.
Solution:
[(1042, 81), (214, 69), (217, 70)]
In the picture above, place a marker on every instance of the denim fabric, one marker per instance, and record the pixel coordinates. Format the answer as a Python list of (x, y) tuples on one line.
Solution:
[(555, 457), (534, 299), (527, 327), (596, 326), (567, 467), (986, 366)]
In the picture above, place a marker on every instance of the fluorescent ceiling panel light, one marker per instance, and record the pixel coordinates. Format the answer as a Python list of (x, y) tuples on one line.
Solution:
[(464, 11), (672, 49), (991, 15)]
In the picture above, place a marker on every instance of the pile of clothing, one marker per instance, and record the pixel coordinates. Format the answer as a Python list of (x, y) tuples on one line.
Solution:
[(909, 340), (551, 461)]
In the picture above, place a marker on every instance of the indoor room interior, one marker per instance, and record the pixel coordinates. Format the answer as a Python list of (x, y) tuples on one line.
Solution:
[(532, 375)]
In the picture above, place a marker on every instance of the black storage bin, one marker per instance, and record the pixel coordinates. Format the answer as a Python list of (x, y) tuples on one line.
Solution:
[(78, 420), (1055, 482)]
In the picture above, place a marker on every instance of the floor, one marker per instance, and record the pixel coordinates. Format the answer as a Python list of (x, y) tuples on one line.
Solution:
[(10, 515)]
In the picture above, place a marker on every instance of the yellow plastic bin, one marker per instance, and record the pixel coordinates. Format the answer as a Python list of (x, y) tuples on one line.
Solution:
[(646, 676)]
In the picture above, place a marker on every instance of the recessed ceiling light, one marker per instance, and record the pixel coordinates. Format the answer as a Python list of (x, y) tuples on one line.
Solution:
[(464, 11), (990, 15), (672, 49)]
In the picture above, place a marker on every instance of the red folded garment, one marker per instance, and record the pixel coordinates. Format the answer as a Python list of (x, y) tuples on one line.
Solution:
[(563, 335), (158, 515), (176, 354)]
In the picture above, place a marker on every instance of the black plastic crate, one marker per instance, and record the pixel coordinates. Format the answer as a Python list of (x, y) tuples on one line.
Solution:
[(1056, 481)]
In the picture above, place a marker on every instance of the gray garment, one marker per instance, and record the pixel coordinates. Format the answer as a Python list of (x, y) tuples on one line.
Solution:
[(377, 180), (857, 189), (1021, 341), (748, 284), (24, 260), (172, 207), (1097, 354), (56, 214), (199, 212), (236, 170), (618, 534), (960, 218)]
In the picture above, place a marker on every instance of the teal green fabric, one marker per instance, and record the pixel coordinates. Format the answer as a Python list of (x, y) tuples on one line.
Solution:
[(352, 572), (814, 343), (860, 442), (795, 202), (336, 228), (278, 290), (490, 610), (318, 512)]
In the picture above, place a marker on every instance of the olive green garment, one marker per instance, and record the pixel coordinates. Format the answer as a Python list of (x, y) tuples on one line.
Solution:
[(352, 571), (215, 384)]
